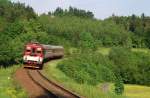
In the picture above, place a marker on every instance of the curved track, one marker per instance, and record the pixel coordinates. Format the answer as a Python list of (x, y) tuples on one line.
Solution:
[(33, 89), (49, 86)]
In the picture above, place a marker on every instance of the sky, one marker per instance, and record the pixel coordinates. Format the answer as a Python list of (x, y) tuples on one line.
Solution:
[(101, 8)]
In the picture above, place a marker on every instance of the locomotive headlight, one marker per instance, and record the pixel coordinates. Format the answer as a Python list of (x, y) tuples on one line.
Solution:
[(39, 49), (40, 60), (25, 58)]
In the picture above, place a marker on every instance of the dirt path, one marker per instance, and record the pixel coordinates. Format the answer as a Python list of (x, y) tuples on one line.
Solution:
[(33, 90)]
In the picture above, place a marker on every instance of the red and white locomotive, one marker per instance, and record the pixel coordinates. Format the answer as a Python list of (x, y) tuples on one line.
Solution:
[(35, 54)]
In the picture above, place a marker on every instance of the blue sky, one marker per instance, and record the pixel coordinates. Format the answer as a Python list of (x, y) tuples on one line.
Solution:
[(101, 8)]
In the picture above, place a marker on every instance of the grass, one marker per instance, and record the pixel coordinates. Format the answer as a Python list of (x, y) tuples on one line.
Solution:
[(8, 87), (85, 90), (136, 91), (105, 51), (140, 50)]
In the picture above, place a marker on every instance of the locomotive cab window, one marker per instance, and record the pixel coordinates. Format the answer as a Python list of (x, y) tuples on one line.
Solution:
[(39, 50), (28, 49)]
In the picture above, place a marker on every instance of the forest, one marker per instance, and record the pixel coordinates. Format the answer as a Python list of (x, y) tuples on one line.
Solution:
[(79, 29)]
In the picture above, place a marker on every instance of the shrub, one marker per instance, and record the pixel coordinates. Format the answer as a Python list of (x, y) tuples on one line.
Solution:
[(90, 68), (119, 87), (133, 67)]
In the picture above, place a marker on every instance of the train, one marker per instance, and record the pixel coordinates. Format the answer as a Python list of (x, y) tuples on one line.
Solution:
[(35, 54)]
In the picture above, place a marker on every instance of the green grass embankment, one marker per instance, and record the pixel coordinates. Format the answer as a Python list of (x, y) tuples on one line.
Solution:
[(88, 91), (131, 91)]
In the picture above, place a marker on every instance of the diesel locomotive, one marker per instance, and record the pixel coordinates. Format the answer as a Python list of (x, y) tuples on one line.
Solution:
[(35, 54)]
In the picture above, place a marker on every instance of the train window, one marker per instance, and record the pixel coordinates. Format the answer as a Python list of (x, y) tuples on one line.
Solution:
[(38, 51), (28, 50)]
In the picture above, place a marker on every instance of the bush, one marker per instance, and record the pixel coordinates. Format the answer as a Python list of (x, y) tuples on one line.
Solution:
[(88, 67), (133, 67), (86, 31), (119, 87)]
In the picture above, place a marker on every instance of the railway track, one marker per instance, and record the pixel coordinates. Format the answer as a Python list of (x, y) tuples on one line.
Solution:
[(49, 86)]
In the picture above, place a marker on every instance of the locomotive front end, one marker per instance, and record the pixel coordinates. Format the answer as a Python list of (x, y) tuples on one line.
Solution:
[(33, 55)]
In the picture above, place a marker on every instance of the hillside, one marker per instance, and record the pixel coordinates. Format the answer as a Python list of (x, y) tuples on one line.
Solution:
[(114, 50), (52, 72), (131, 91)]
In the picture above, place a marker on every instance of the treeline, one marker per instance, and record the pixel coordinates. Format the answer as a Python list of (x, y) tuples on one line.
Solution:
[(14, 11), (72, 12), (72, 29), (139, 26)]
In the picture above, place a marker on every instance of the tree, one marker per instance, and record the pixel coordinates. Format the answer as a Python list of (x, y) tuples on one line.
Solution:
[(147, 39), (86, 41), (119, 86), (132, 25), (58, 12), (143, 22), (72, 12)]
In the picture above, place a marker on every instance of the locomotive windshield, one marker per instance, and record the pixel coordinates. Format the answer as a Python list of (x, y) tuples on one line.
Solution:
[(39, 50), (28, 49), (33, 50)]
